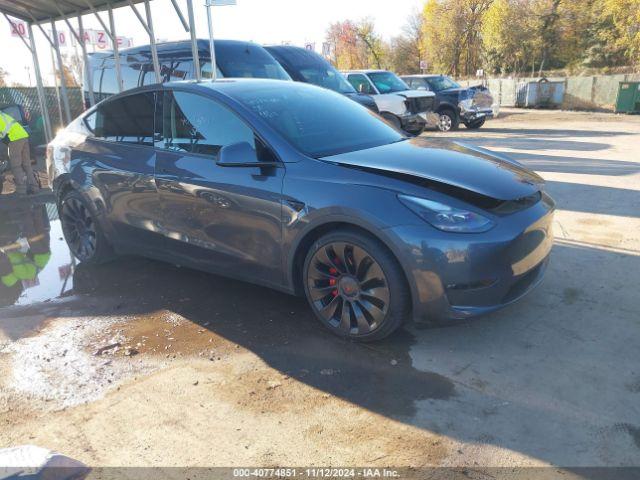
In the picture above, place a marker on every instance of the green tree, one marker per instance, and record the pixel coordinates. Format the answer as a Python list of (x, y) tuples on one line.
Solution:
[(452, 34), (507, 36)]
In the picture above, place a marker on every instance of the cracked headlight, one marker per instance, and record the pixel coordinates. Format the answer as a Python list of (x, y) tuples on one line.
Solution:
[(466, 105), (446, 218)]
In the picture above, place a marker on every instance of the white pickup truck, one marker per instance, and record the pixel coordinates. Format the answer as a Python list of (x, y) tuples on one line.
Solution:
[(407, 109)]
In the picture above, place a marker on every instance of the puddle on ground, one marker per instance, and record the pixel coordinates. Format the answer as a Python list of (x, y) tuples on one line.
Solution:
[(162, 333), (35, 262)]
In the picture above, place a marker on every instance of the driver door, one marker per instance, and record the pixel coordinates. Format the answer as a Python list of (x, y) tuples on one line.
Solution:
[(227, 219)]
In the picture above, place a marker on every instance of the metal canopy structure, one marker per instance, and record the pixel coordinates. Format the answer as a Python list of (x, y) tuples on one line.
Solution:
[(43, 11), (39, 12)]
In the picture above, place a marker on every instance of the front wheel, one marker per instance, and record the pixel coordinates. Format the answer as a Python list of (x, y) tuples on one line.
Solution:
[(474, 125), (448, 121), (355, 286), (81, 230)]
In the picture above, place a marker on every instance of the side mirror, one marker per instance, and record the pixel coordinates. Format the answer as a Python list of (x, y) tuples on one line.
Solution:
[(241, 154)]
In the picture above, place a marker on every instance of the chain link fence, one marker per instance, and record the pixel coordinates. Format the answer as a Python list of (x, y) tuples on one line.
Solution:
[(28, 98), (595, 92)]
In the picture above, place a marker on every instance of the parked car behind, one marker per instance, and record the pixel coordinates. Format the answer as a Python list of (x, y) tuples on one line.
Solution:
[(404, 108), (453, 103), (306, 66), (238, 178), (234, 59)]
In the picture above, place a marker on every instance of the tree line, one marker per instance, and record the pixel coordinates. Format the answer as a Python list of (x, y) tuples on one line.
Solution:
[(459, 37)]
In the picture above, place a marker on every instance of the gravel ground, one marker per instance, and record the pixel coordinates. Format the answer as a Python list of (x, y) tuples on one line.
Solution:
[(141, 363)]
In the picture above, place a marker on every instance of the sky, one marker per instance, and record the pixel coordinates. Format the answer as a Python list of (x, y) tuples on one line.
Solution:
[(262, 21)]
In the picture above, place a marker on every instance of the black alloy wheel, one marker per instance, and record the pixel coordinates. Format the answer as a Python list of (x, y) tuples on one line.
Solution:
[(348, 288), (81, 231)]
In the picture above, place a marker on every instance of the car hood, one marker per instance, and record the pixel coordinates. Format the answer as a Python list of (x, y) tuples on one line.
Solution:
[(415, 93), (448, 162)]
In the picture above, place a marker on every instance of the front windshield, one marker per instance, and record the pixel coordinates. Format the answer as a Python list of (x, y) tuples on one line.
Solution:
[(387, 82), (441, 83), (317, 121)]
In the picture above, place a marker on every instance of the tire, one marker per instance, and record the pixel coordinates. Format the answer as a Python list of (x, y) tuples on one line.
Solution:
[(392, 120), (82, 232), (448, 120), (355, 286), (475, 124)]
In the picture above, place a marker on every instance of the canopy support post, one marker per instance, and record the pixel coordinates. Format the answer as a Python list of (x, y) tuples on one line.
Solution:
[(214, 69), (39, 87), (63, 83), (116, 49), (194, 42), (85, 60), (176, 7), (152, 42)]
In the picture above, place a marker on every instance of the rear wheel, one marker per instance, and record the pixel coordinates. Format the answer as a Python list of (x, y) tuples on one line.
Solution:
[(448, 120), (355, 286), (81, 230)]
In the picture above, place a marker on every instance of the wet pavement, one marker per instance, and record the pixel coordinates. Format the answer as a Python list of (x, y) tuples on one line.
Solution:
[(121, 351)]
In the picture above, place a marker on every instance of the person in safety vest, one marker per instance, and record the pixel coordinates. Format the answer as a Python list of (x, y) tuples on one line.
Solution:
[(23, 253), (12, 133)]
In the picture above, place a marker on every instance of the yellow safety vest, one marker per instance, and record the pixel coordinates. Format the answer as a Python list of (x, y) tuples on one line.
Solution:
[(12, 128)]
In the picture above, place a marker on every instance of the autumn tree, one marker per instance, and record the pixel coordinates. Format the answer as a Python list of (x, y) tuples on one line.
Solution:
[(406, 50), (3, 76), (356, 45), (452, 34), (507, 36)]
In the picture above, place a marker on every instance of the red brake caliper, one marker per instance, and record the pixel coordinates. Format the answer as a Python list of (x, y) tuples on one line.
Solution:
[(332, 281)]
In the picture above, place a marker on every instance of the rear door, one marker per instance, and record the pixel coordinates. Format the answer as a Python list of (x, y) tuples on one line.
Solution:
[(225, 218), (123, 167)]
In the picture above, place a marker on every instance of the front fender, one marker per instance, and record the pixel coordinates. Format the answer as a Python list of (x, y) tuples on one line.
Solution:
[(347, 217)]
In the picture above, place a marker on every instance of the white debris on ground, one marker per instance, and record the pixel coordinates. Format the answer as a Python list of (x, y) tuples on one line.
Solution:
[(70, 364)]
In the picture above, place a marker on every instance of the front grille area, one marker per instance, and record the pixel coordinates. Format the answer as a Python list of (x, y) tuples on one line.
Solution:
[(482, 100), (420, 104)]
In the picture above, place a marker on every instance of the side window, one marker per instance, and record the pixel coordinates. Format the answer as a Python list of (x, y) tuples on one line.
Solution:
[(205, 69), (109, 85), (130, 76), (360, 83), (195, 124), (126, 120)]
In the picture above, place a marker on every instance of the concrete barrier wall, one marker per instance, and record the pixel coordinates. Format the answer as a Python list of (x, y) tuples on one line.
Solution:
[(597, 92)]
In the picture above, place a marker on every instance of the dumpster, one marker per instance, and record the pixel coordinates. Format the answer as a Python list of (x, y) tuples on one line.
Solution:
[(539, 94), (628, 100)]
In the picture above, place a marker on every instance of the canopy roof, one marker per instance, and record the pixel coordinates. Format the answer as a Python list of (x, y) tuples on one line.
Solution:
[(40, 11)]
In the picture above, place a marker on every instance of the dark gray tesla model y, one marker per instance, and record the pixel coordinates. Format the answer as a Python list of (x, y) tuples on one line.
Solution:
[(300, 189)]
